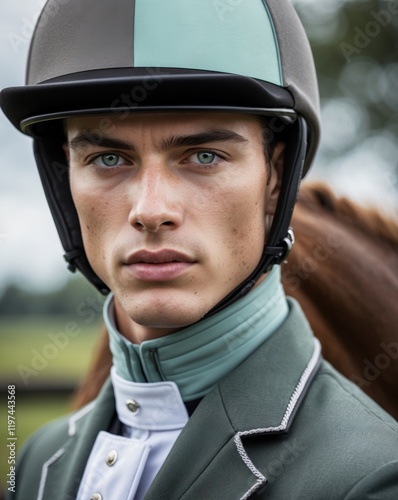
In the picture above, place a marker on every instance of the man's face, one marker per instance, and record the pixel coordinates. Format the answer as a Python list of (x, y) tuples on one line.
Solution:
[(172, 208)]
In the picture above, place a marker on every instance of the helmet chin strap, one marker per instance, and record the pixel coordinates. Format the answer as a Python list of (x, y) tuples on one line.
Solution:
[(267, 260), (281, 236)]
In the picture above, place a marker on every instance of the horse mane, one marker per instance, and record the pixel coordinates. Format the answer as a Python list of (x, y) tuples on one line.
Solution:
[(371, 221), (343, 270)]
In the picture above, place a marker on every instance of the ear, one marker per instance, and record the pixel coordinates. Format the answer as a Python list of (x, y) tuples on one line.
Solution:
[(65, 147), (275, 177)]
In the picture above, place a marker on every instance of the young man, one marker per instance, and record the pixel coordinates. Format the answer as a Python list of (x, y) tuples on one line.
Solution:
[(171, 138)]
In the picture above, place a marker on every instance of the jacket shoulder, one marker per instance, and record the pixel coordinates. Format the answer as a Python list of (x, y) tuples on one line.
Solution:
[(382, 484), (358, 406), (353, 438)]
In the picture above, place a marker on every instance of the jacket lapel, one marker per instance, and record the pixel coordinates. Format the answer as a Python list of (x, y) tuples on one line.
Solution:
[(260, 397), (62, 474), (204, 442)]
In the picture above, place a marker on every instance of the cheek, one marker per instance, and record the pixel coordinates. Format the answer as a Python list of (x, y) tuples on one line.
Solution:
[(243, 226), (247, 232), (97, 219)]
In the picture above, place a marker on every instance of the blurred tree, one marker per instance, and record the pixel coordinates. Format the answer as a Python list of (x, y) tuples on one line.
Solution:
[(75, 295), (355, 45)]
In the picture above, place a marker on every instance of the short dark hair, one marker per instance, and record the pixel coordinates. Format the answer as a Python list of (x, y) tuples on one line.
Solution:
[(273, 132)]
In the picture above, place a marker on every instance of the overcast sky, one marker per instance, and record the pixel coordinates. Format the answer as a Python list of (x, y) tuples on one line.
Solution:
[(29, 249), (30, 253)]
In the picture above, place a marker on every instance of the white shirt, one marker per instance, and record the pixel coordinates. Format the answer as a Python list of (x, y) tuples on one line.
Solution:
[(123, 467)]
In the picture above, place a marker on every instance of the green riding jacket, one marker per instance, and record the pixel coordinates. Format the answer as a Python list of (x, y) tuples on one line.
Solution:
[(283, 425)]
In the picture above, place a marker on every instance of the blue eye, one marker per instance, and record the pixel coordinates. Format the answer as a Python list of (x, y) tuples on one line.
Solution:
[(108, 160), (206, 157)]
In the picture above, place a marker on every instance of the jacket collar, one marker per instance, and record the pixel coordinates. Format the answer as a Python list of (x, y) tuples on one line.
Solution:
[(261, 396), (266, 382)]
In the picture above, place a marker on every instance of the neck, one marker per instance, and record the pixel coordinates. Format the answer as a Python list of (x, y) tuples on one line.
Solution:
[(135, 332)]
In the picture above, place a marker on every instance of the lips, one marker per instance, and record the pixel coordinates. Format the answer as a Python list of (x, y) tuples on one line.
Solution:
[(158, 257), (158, 266)]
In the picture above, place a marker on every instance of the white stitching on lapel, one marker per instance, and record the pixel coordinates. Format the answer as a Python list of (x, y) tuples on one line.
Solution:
[(261, 479), (77, 416), (44, 471)]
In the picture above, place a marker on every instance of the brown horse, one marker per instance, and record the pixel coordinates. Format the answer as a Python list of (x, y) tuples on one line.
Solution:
[(344, 272)]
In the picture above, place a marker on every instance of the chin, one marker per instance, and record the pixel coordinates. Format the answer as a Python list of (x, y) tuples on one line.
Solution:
[(166, 320), (164, 310)]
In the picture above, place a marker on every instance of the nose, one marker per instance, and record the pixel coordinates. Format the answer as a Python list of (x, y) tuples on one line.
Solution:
[(156, 204)]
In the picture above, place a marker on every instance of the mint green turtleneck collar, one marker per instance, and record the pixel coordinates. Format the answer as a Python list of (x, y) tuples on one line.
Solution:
[(197, 357)]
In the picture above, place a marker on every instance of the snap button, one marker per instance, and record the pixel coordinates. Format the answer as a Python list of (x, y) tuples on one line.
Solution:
[(96, 496), (111, 458), (132, 405)]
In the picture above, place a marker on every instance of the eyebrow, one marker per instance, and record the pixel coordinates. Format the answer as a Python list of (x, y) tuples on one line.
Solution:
[(219, 135), (89, 139), (201, 138)]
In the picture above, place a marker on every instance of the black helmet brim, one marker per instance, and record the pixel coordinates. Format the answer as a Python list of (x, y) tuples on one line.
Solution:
[(122, 90)]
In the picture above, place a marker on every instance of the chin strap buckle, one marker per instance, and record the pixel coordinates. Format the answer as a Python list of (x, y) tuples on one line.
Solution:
[(70, 257), (289, 242), (281, 252)]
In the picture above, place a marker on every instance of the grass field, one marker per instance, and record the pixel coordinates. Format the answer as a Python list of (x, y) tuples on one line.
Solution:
[(36, 351)]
